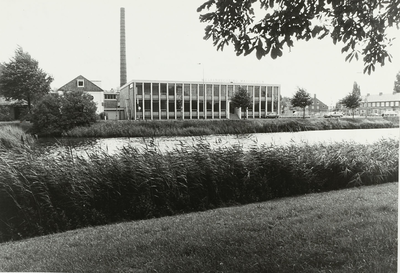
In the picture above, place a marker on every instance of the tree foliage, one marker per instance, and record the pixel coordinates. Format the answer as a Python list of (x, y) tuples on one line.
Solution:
[(396, 88), (22, 79), (301, 99), (241, 98), (352, 100), (356, 89), (360, 25), (54, 113)]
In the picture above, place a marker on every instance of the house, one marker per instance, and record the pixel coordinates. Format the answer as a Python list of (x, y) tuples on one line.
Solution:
[(380, 103), (317, 107), (80, 83), (193, 100)]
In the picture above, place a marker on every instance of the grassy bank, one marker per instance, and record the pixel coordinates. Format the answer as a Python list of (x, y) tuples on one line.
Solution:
[(346, 231), (213, 127), (41, 195)]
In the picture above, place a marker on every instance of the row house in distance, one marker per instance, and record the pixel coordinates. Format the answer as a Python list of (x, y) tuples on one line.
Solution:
[(157, 100), (379, 104)]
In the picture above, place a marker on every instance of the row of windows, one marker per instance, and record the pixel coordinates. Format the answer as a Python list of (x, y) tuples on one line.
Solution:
[(194, 89), (110, 96), (380, 104), (195, 105)]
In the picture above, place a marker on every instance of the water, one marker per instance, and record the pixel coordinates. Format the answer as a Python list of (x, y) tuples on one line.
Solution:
[(112, 145)]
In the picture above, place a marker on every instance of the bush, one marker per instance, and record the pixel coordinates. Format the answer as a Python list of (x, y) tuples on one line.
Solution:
[(41, 195), (5, 113), (55, 114)]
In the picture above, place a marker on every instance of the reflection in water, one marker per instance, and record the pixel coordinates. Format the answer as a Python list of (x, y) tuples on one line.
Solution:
[(112, 145)]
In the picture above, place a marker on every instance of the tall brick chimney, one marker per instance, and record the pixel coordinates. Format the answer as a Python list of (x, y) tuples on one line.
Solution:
[(122, 49)]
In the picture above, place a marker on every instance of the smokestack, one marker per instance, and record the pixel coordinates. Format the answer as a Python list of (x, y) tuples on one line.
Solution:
[(122, 49)]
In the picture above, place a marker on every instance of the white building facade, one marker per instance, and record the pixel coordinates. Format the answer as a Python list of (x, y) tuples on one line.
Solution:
[(157, 100)]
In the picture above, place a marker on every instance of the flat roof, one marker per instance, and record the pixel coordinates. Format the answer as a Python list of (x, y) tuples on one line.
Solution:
[(201, 82)]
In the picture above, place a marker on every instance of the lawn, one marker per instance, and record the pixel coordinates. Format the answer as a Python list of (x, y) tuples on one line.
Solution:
[(351, 230)]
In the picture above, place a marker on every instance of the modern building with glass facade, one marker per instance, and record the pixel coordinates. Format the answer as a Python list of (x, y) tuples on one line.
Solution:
[(156, 100)]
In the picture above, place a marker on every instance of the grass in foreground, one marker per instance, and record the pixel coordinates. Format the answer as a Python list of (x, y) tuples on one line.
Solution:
[(352, 230)]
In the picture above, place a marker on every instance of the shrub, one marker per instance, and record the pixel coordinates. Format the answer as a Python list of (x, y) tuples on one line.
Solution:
[(55, 114), (5, 113)]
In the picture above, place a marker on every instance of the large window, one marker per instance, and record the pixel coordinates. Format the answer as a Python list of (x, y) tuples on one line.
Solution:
[(171, 89), (201, 90), (194, 91), (216, 90), (147, 88), (230, 91), (257, 92), (139, 88), (269, 92), (147, 105), (186, 106), (187, 89), (178, 90), (223, 91), (163, 105), (209, 90), (155, 89), (156, 106), (171, 106), (163, 89), (194, 105)]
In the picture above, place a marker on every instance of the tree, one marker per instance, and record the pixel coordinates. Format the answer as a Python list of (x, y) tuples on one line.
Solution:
[(55, 114), (78, 109), (285, 104), (301, 99), (396, 88), (22, 79), (47, 116), (356, 89), (242, 99), (360, 25), (352, 101)]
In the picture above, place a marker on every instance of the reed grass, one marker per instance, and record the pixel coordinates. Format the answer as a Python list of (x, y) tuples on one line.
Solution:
[(347, 231), (212, 127), (46, 194), (14, 137)]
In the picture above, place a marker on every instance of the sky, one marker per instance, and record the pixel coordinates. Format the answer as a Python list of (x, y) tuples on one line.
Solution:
[(164, 41)]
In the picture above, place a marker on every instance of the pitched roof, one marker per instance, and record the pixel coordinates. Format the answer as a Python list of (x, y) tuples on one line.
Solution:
[(88, 86), (382, 97)]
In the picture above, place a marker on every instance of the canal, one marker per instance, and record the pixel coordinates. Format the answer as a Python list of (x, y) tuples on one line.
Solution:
[(112, 145)]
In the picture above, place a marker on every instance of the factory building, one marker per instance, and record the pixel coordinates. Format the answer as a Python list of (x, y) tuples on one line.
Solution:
[(158, 100)]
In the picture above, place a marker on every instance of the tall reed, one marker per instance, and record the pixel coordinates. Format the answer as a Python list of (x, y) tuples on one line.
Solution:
[(14, 137), (42, 194), (209, 127)]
